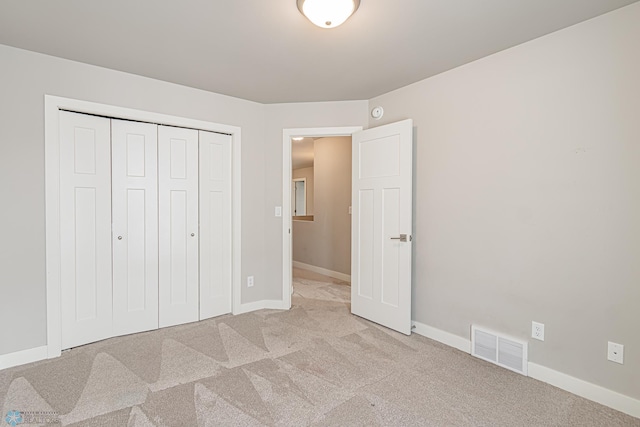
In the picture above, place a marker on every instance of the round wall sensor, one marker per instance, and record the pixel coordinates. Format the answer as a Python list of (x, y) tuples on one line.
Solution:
[(377, 113)]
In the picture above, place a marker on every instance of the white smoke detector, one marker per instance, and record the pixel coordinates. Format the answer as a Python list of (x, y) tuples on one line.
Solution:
[(377, 113)]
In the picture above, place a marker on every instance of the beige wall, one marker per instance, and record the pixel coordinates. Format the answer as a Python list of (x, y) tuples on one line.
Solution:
[(307, 174), (527, 196), (25, 77), (326, 241)]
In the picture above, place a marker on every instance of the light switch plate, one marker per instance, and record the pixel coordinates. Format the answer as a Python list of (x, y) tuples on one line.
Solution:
[(278, 210)]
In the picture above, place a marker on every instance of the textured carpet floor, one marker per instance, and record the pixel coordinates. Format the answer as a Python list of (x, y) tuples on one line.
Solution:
[(313, 365)]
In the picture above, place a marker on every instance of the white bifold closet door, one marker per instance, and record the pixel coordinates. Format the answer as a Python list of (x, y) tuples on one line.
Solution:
[(178, 225), (85, 229), (135, 226), (215, 224)]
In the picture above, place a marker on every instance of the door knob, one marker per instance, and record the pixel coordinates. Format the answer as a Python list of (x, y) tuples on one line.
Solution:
[(119, 237), (193, 234)]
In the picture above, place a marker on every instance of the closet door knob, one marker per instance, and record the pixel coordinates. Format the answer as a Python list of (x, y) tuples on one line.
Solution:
[(193, 234), (119, 237)]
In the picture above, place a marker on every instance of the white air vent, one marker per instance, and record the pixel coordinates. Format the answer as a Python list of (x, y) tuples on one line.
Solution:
[(498, 349)]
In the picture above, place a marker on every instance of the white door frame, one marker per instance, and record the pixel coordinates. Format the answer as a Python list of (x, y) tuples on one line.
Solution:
[(287, 222), (52, 106)]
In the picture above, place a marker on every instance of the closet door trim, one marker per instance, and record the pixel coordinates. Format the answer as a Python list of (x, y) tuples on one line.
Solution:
[(53, 105)]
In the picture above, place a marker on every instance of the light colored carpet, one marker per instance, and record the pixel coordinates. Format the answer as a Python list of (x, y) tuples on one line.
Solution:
[(313, 365)]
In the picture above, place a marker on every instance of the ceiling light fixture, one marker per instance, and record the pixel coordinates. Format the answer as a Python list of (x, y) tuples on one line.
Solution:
[(328, 13), (298, 138)]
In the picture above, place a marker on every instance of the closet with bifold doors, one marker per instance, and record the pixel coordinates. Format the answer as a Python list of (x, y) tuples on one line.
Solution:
[(145, 226)]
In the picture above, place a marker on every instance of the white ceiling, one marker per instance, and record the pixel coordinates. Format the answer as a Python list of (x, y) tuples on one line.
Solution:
[(302, 153), (265, 51)]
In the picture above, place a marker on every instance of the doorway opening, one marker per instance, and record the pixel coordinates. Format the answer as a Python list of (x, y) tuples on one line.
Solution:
[(381, 223), (321, 219), (317, 209)]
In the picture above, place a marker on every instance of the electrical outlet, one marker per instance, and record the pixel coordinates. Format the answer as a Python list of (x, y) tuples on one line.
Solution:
[(615, 352), (537, 331), (249, 281)]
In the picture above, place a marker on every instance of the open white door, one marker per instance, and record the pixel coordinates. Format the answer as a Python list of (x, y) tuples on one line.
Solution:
[(381, 225)]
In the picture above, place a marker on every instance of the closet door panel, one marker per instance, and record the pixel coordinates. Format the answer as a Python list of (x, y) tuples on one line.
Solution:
[(135, 226), (178, 221), (85, 229), (215, 224)]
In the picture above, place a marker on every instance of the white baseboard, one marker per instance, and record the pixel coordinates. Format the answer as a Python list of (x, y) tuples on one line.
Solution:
[(260, 305), (579, 387), (439, 335), (40, 353), (23, 357), (590, 391), (320, 270)]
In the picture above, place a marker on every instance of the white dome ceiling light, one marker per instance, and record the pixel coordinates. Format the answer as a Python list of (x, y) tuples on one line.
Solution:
[(328, 13)]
